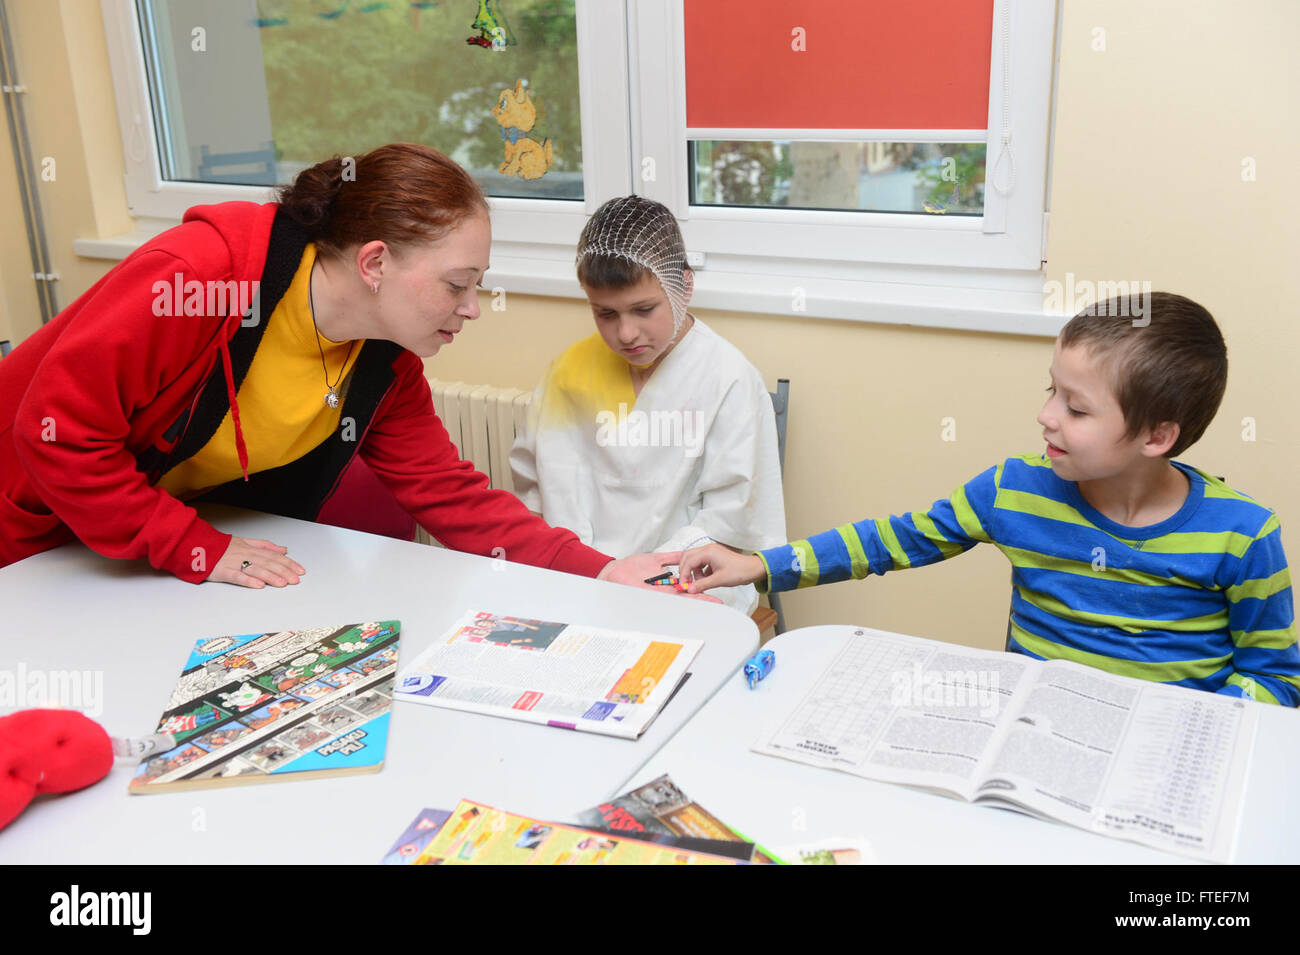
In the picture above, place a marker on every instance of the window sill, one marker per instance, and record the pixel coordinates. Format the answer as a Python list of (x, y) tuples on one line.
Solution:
[(1008, 304), (114, 248), (966, 300)]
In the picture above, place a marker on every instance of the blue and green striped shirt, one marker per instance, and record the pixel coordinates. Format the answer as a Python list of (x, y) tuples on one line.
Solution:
[(1202, 599)]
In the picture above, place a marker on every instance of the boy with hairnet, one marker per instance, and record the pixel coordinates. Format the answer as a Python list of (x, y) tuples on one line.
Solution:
[(654, 434)]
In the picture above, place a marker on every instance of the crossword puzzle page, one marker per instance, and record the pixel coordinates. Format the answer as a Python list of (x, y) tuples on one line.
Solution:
[(841, 719)]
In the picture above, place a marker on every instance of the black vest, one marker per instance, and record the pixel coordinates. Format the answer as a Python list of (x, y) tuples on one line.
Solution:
[(298, 489)]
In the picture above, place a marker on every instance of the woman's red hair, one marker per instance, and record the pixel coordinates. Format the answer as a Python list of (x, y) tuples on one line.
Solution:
[(402, 194)]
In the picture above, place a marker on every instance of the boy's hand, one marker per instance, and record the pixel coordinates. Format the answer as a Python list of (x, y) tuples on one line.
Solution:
[(635, 570), (714, 565), (267, 564)]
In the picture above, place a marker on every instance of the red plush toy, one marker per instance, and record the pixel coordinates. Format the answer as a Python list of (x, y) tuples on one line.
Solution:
[(48, 751)]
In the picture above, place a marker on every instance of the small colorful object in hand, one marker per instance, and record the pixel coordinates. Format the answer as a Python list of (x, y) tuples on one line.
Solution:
[(667, 580), (758, 666)]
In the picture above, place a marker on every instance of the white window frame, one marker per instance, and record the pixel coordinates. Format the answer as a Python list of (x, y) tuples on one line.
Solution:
[(979, 273)]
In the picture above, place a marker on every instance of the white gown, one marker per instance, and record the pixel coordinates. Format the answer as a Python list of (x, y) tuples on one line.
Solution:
[(692, 459)]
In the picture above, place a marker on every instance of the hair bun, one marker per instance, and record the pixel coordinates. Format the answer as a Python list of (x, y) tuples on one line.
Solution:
[(403, 194), (309, 200)]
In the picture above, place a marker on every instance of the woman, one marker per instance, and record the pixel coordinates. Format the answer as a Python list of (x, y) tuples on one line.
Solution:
[(244, 357)]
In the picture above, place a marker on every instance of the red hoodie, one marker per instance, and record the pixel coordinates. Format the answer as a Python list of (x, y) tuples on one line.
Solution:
[(95, 400)]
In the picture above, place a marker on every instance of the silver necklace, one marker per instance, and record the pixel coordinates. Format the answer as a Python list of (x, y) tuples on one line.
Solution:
[(331, 396)]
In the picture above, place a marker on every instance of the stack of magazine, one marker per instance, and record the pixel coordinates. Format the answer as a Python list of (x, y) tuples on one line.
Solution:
[(654, 824)]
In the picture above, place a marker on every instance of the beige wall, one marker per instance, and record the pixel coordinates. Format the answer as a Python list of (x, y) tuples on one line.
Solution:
[(1150, 137), (71, 118)]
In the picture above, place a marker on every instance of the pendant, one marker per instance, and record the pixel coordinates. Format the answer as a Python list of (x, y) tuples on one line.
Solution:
[(332, 399)]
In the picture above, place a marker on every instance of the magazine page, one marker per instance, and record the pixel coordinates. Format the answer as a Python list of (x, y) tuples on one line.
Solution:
[(568, 675), (661, 808), (1161, 765), (416, 836), (1058, 751), (1179, 781), (906, 710)]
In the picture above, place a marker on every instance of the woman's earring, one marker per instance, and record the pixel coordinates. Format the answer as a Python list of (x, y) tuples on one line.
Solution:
[(374, 288)]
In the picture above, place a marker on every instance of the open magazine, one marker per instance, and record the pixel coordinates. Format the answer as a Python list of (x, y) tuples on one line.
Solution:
[(656, 823), (1161, 765), (581, 678)]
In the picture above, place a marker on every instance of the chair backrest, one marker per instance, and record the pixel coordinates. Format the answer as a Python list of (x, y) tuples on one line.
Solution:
[(233, 167), (781, 406)]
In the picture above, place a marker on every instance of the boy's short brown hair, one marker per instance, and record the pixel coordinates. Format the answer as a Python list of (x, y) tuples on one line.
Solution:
[(1168, 364)]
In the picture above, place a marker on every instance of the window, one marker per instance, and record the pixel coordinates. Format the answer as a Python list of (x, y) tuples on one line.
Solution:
[(793, 105), (254, 99), (222, 99), (929, 178), (935, 220)]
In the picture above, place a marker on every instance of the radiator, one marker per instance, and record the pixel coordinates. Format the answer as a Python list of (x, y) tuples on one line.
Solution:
[(482, 421)]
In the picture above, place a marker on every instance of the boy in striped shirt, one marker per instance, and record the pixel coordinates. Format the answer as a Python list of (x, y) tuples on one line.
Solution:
[(1122, 558)]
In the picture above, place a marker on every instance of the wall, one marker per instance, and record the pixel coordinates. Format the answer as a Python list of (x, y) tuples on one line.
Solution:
[(71, 118)]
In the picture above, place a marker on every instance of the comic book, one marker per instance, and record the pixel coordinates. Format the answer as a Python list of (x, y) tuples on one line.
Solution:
[(573, 676), (261, 707), (476, 834)]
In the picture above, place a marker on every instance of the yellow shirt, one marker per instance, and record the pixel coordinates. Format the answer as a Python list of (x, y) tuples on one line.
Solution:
[(282, 408), (587, 379)]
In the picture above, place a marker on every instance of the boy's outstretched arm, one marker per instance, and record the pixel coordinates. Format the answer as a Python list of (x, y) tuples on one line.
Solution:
[(952, 526), (1261, 619)]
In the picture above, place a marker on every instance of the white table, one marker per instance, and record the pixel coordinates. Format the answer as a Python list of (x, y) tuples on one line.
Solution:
[(784, 803), (71, 609)]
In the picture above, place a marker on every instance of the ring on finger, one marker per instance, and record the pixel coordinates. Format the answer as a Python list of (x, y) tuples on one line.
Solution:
[(244, 565)]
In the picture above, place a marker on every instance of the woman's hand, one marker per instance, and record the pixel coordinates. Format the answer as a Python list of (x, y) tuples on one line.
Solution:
[(267, 563), (635, 570), (715, 565)]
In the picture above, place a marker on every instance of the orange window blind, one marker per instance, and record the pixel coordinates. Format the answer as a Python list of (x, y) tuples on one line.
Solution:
[(857, 64)]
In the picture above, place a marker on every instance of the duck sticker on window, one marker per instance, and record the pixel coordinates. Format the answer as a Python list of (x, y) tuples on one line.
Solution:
[(515, 114)]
